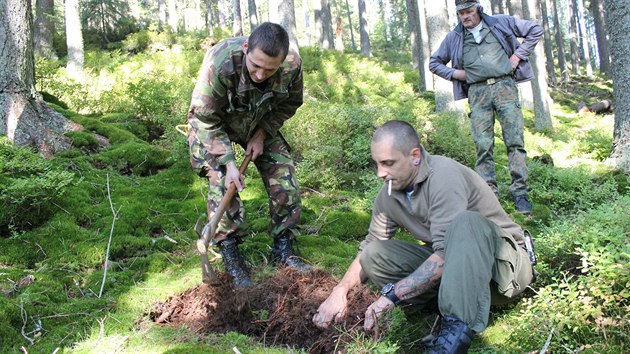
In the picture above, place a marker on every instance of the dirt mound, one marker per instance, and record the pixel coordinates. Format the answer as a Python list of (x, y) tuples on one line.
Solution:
[(276, 311)]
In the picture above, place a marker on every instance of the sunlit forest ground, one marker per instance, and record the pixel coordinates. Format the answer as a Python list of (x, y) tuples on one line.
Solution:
[(58, 215)]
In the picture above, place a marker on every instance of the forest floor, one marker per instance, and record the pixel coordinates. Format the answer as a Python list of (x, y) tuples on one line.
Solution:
[(276, 311)]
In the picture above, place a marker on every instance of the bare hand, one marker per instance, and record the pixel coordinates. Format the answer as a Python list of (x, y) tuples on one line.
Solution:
[(459, 74), (332, 309), (375, 311), (514, 61), (256, 144), (233, 175)]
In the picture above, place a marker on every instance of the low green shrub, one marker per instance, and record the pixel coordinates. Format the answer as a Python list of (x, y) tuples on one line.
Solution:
[(30, 190)]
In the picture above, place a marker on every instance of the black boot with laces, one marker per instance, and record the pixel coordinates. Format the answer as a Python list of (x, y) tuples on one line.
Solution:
[(282, 254), (454, 338), (233, 263)]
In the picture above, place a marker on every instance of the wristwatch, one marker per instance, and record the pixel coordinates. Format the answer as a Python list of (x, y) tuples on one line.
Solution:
[(388, 292)]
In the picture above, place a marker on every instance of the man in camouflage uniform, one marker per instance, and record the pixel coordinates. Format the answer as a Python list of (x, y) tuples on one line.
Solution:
[(487, 61), (247, 88)]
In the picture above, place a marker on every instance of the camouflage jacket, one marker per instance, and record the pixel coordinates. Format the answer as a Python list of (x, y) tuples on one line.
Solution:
[(226, 107)]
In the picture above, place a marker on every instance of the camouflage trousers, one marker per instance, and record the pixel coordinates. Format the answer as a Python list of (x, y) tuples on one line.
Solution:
[(484, 100), (277, 171)]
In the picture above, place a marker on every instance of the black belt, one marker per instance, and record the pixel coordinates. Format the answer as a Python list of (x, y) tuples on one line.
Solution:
[(493, 80)]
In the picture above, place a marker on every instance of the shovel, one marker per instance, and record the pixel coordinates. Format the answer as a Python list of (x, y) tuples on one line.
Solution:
[(208, 232)]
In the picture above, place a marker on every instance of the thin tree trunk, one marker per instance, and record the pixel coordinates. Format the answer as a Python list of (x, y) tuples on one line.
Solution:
[(586, 50), (437, 23), (354, 46), (339, 36), (171, 15), (497, 6), (237, 24), (597, 7), (307, 22), (551, 73), (161, 14), (618, 21), (542, 113), (25, 118), (74, 40), (44, 28), (416, 41), (286, 11), (562, 61), (426, 49), (253, 15), (573, 38), (515, 8), (366, 50)]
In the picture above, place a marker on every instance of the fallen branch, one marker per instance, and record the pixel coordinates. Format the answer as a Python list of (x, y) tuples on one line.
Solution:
[(543, 350), (111, 233), (24, 316)]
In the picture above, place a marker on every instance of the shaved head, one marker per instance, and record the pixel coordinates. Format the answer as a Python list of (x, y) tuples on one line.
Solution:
[(404, 135)]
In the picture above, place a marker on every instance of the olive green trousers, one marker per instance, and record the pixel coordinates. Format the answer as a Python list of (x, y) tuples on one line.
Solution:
[(483, 266)]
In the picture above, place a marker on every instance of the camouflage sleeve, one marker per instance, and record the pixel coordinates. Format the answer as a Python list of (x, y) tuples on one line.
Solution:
[(206, 113), (287, 108)]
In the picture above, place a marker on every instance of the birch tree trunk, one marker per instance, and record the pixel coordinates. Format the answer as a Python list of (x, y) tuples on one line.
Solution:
[(74, 40), (339, 36), (171, 15), (366, 50), (25, 118), (161, 12), (618, 21)]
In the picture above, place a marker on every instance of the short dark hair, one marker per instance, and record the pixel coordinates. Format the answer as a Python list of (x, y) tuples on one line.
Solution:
[(405, 136), (271, 38)]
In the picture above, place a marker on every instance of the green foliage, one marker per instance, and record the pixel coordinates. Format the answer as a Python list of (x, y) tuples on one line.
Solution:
[(134, 101), (30, 189), (586, 299)]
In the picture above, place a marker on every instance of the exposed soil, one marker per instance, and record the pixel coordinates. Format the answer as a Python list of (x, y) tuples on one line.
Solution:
[(276, 311)]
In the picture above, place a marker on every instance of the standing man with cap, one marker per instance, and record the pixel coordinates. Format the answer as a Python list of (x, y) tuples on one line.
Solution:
[(487, 61), (247, 88)]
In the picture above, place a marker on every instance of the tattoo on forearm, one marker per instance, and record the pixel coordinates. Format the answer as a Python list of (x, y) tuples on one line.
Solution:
[(422, 279)]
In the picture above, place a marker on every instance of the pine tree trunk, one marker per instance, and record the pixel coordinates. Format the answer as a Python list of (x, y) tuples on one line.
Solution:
[(354, 45), (562, 61), (426, 49), (366, 50), (237, 23), (161, 12), (618, 21), (416, 40), (497, 7), (437, 24), (44, 28), (542, 112), (573, 38), (253, 15), (339, 36), (551, 73), (25, 118), (597, 7), (287, 20), (585, 42), (171, 15)]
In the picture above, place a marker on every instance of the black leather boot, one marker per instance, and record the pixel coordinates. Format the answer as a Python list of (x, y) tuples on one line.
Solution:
[(282, 254), (454, 338), (233, 263)]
